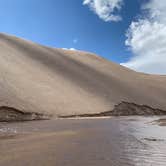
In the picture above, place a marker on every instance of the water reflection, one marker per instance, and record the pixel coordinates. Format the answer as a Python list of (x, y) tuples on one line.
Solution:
[(123, 141), (146, 142)]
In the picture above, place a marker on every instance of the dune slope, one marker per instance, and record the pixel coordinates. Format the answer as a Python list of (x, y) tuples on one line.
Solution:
[(35, 78)]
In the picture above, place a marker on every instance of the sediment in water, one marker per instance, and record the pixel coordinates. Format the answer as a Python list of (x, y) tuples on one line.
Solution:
[(160, 122)]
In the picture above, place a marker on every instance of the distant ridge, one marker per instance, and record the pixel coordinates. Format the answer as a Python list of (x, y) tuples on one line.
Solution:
[(35, 78)]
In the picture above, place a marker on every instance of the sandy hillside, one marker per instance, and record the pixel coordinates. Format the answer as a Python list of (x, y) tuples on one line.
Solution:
[(62, 82)]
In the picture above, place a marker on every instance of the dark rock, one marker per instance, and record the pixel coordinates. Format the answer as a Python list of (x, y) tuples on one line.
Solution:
[(124, 109), (10, 114)]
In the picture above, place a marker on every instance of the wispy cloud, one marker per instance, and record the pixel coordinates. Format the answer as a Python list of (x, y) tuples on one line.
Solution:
[(146, 38), (72, 49), (75, 40), (105, 9)]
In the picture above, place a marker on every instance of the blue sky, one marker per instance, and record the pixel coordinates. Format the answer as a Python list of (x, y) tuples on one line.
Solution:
[(70, 24)]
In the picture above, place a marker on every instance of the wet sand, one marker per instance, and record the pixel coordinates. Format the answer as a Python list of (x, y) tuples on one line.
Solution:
[(161, 122), (120, 141)]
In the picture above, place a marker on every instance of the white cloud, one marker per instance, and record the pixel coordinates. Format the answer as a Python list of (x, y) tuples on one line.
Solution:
[(105, 9), (72, 49), (157, 9), (147, 40)]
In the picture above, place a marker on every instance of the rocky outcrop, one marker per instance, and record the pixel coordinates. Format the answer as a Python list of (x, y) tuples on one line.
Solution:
[(125, 109), (10, 114)]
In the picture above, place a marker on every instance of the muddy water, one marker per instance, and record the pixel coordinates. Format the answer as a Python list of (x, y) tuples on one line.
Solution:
[(122, 141)]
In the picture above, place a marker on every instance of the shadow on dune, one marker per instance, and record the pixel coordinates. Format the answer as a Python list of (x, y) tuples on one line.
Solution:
[(84, 76)]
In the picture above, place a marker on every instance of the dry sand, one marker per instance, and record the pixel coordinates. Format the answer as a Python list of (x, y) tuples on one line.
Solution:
[(36, 78)]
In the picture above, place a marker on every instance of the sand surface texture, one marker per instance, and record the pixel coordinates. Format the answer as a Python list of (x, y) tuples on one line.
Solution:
[(36, 78)]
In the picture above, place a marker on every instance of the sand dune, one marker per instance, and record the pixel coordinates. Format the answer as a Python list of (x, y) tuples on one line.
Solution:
[(36, 78)]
